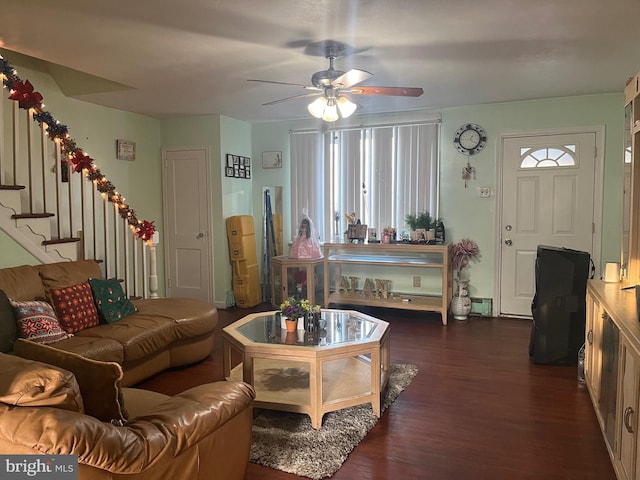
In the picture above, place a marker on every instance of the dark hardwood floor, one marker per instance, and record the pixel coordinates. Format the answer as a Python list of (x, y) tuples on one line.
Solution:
[(478, 409)]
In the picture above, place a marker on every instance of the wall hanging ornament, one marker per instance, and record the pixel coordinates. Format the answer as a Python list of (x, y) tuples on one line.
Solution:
[(468, 172)]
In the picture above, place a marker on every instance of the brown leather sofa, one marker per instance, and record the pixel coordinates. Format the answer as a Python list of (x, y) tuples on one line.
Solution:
[(202, 433), (165, 332)]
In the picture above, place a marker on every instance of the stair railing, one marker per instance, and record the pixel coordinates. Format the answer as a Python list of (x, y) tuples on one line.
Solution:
[(75, 216)]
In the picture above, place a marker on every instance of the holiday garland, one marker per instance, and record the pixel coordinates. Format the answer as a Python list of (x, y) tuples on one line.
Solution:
[(27, 98)]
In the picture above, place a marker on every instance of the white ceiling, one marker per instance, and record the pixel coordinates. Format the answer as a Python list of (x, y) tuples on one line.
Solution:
[(188, 57)]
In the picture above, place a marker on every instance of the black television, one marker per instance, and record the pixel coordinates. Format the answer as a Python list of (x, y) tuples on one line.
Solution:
[(558, 307)]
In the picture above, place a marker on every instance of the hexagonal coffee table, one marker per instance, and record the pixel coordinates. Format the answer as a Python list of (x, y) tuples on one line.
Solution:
[(344, 363)]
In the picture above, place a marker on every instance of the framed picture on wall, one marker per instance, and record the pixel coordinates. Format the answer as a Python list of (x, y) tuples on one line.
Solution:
[(271, 159), (229, 172), (230, 161)]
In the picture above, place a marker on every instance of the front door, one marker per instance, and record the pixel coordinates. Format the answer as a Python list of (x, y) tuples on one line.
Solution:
[(547, 199), (187, 223)]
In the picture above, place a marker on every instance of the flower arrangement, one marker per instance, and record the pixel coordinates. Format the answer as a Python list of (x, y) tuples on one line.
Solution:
[(294, 309), (351, 218), (462, 253)]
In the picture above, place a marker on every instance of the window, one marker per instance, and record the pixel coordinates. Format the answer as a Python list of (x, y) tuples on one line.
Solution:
[(380, 173), (564, 156)]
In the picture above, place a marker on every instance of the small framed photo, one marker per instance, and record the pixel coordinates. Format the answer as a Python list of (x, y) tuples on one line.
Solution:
[(229, 160), (125, 150), (247, 161), (247, 173), (242, 173), (236, 160), (236, 171), (372, 235), (271, 159), (229, 172), (242, 161)]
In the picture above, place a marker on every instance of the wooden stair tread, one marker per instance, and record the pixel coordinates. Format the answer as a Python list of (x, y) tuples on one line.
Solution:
[(56, 241), (18, 216), (11, 187)]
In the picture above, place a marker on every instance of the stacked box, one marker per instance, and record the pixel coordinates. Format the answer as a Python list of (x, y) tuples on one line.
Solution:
[(244, 261)]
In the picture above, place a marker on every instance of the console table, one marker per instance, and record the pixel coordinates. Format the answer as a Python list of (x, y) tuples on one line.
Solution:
[(401, 275)]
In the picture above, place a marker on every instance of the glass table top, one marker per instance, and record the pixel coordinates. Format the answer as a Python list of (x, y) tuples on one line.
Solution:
[(336, 327)]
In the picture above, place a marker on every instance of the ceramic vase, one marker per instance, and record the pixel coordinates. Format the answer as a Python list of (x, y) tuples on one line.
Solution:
[(461, 302)]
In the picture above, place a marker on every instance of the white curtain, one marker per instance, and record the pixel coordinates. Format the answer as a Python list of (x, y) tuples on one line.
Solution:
[(307, 179), (381, 173)]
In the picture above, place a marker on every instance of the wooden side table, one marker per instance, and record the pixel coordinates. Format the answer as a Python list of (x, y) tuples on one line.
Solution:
[(287, 274)]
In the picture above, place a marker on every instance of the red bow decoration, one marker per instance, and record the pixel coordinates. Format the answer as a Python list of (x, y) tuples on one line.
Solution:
[(25, 96), (81, 161), (146, 230)]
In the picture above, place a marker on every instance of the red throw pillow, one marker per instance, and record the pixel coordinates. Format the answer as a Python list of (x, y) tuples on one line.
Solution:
[(37, 321), (75, 307)]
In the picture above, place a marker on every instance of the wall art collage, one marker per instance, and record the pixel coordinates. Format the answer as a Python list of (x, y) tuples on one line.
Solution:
[(237, 166)]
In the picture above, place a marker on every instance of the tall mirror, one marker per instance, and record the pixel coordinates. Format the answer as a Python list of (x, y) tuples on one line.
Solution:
[(626, 199)]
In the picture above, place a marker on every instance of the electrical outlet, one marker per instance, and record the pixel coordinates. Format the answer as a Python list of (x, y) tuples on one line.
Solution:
[(484, 192), (416, 281)]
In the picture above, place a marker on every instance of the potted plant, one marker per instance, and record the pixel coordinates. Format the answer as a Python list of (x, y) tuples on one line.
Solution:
[(420, 220), (461, 254), (292, 310)]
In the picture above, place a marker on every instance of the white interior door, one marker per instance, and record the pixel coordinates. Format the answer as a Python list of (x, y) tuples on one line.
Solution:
[(547, 199), (187, 223)]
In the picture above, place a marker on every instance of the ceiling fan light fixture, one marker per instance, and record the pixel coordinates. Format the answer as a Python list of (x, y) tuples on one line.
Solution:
[(330, 111), (316, 108), (346, 107)]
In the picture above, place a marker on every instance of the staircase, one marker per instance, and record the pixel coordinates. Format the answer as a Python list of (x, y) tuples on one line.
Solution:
[(57, 204)]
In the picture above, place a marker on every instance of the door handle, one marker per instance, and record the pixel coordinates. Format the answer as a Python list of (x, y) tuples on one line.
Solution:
[(508, 242), (590, 337), (627, 417), (200, 235)]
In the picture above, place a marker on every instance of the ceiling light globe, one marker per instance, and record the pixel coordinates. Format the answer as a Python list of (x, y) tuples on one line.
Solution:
[(330, 113), (316, 108), (346, 106)]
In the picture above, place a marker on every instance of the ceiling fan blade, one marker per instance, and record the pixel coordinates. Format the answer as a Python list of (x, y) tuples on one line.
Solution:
[(303, 95), (350, 78), (307, 87), (389, 91)]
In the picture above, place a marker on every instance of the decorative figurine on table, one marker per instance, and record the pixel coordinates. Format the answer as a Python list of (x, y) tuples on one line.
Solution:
[(306, 243)]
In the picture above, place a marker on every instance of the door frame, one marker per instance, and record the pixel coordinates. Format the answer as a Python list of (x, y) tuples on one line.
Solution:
[(599, 131), (167, 256)]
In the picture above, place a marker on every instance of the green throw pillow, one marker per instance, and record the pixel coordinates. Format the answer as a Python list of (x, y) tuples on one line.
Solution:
[(111, 300)]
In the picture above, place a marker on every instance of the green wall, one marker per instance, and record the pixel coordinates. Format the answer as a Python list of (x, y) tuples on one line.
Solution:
[(230, 196), (465, 214), (96, 129)]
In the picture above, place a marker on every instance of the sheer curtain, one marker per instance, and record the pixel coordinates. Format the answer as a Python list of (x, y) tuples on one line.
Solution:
[(381, 173), (307, 179)]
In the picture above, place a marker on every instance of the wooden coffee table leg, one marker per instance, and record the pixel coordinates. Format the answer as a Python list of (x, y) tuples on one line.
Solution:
[(315, 393)]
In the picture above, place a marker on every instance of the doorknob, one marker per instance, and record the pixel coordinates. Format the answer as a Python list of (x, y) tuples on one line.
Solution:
[(200, 235), (508, 242)]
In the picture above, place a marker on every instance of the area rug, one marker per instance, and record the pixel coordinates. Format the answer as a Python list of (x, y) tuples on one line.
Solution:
[(286, 441)]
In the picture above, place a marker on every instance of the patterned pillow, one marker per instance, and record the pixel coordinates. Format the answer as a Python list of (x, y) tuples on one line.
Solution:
[(37, 321), (111, 300), (75, 307)]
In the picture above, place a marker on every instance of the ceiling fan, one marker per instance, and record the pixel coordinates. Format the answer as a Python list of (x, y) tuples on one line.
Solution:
[(334, 89)]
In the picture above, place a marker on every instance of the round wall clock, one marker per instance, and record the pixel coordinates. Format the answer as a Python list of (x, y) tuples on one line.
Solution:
[(470, 138)]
